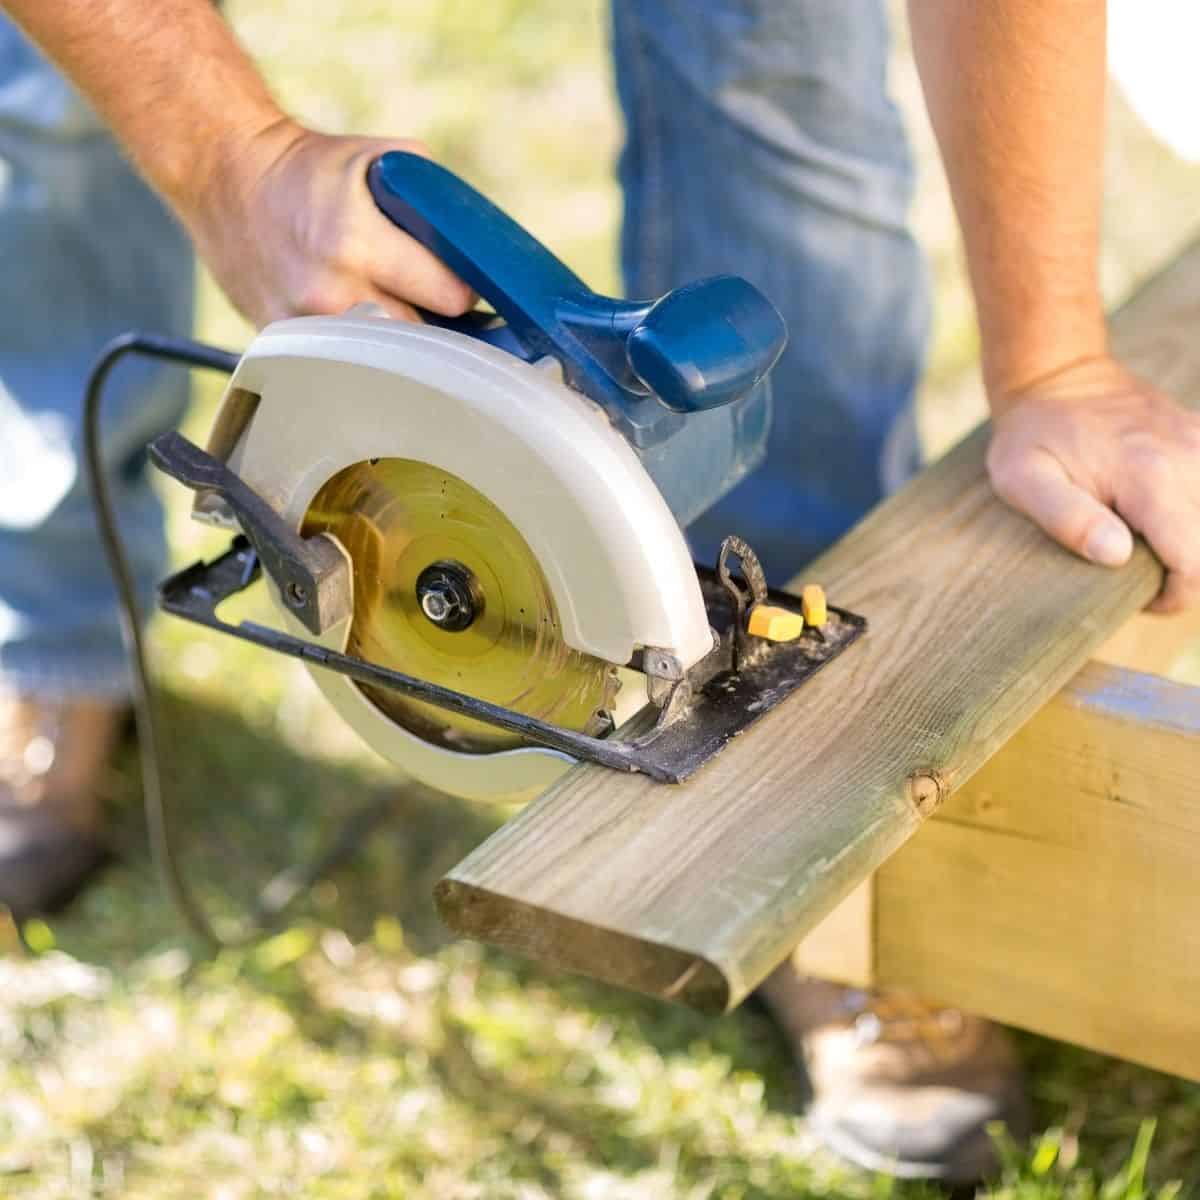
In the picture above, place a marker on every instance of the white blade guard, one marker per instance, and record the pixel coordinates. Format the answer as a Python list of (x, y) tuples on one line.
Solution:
[(315, 395)]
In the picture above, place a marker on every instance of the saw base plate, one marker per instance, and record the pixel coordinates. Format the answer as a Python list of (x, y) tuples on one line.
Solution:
[(668, 745), (730, 701)]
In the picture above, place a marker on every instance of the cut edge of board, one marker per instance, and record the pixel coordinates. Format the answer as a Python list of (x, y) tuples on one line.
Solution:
[(634, 963)]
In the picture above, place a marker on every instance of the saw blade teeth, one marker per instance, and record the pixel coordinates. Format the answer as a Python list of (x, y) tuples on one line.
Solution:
[(446, 589)]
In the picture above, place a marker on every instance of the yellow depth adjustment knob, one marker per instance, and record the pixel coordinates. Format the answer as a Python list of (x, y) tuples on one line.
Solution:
[(775, 624), (812, 605)]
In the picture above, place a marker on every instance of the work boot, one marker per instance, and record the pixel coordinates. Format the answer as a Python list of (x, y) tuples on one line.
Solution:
[(898, 1085), (52, 755)]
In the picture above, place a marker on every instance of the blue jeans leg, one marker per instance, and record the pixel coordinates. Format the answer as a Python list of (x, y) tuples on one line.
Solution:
[(86, 252), (761, 142)]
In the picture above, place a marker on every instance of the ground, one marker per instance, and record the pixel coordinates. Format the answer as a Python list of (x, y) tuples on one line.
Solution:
[(360, 1052)]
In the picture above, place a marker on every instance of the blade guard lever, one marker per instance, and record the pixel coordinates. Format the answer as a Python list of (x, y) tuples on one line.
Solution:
[(312, 574), (697, 348)]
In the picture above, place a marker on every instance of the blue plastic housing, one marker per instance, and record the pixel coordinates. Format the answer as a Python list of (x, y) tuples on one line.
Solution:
[(684, 377)]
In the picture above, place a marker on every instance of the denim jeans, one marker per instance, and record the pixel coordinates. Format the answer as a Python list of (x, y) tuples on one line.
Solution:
[(760, 142), (86, 252)]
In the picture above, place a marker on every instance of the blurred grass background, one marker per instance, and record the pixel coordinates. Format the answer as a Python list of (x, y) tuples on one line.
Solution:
[(359, 1052)]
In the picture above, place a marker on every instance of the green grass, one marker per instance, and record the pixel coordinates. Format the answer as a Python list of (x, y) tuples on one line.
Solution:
[(359, 1052)]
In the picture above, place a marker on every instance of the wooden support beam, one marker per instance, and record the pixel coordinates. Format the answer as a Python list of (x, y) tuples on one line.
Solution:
[(696, 892), (1151, 643), (841, 947), (1057, 891)]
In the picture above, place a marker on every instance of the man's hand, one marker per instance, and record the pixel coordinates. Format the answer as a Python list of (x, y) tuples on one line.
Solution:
[(288, 227), (281, 214), (1092, 452), (1016, 93)]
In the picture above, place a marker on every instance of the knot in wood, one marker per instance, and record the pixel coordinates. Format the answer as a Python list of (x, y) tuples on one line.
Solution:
[(926, 790)]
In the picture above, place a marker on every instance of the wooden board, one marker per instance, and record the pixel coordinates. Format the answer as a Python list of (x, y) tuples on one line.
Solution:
[(1058, 890), (696, 892)]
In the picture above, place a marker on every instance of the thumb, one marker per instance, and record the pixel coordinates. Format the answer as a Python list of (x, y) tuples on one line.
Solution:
[(1035, 483)]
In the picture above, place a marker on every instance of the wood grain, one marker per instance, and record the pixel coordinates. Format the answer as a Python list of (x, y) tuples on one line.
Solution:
[(977, 619), (1057, 891)]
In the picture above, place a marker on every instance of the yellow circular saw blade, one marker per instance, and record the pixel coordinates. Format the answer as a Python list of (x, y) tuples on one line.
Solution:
[(396, 517)]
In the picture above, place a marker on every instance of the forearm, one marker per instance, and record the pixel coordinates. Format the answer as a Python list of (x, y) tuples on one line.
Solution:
[(1015, 90), (168, 77)]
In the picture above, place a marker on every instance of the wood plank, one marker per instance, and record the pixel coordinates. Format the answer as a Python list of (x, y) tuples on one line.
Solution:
[(696, 892), (1057, 891)]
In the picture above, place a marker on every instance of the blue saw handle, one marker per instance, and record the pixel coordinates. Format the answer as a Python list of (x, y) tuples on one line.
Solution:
[(697, 348)]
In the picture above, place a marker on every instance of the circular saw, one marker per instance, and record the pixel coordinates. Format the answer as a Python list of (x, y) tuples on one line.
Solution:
[(472, 527)]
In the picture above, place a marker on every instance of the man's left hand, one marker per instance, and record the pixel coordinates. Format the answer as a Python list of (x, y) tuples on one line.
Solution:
[(1092, 453)]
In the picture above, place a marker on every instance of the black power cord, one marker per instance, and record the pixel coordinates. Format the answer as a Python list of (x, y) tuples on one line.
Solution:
[(279, 894)]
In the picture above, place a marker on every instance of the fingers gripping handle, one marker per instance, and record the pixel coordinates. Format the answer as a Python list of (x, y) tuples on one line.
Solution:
[(697, 348)]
